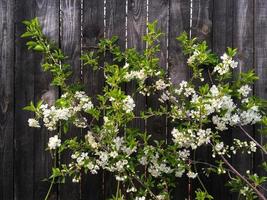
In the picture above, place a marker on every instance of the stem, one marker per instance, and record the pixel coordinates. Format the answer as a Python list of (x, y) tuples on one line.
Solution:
[(195, 168), (250, 137), (50, 188), (260, 195), (118, 188), (143, 185), (210, 77)]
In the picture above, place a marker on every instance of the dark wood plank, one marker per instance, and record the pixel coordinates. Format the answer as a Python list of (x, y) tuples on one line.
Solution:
[(136, 29), (6, 98), (115, 26), (70, 40), (179, 21), (93, 30), (71, 35), (260, 53), (47, 12), (24, 93), (32, 164), (202, 12), (116, 20), (202, 19), (222, 38), (159, 10), (243, 41)]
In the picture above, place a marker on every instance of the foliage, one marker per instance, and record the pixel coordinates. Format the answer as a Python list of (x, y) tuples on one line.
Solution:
[(201, 110)]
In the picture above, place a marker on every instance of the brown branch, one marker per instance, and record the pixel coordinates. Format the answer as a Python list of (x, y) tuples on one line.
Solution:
[(250, 137), (260, 195)]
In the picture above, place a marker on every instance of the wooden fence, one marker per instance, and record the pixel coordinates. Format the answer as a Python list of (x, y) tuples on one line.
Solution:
[(79, 24)]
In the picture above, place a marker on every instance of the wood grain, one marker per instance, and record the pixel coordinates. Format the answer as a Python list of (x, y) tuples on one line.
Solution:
[(115, 26), (179, 21), (202, 12), (136, 29), (159, 11), (6, 98), (93, 30), (202, 20), (222, 36), (260, 55), (32, 164), (243, 41), (47, 13), (70, 40)]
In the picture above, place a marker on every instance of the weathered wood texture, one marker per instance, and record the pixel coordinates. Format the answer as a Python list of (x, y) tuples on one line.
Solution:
[(260, 64), (179, 21), (76, 26), (6, 98), (115, 25), (92, 31), (31, 163), (202, 16), (136, 29), (222, 29), (70, 42)]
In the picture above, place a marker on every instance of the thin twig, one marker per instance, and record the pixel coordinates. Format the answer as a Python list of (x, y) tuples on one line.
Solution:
[(260, 195), (250, 137)]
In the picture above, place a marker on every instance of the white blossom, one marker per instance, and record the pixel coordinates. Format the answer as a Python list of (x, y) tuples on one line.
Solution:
[(244, 90), (128, 104), (250, 116), (141, 75), (126, 65), (91, 140), (33, 123), (132, 189), (140, 198), (214, 91), (54, 142), (194, 57), (227, 63), (161, 85), (191, 174)]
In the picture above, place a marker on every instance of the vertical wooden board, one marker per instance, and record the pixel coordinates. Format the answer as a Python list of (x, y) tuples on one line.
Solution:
[(243, 41), (222, 26), (116, 20), (202, 19), (202, 13), (71, 35), (179, 21), (136, 29), (93, 30), (31, 163), (159, 11), (47, 12), (260, 39), (70, 42), (24, 93), (115, 26), (222, 32), (6, 98)]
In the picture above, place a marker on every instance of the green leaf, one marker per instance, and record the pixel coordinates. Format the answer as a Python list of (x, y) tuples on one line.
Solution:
[(38, 48), (26, 34), (30, 107)]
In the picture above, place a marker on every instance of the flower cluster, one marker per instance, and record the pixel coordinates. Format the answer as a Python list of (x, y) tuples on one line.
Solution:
[(227, 64), (54, 142)]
